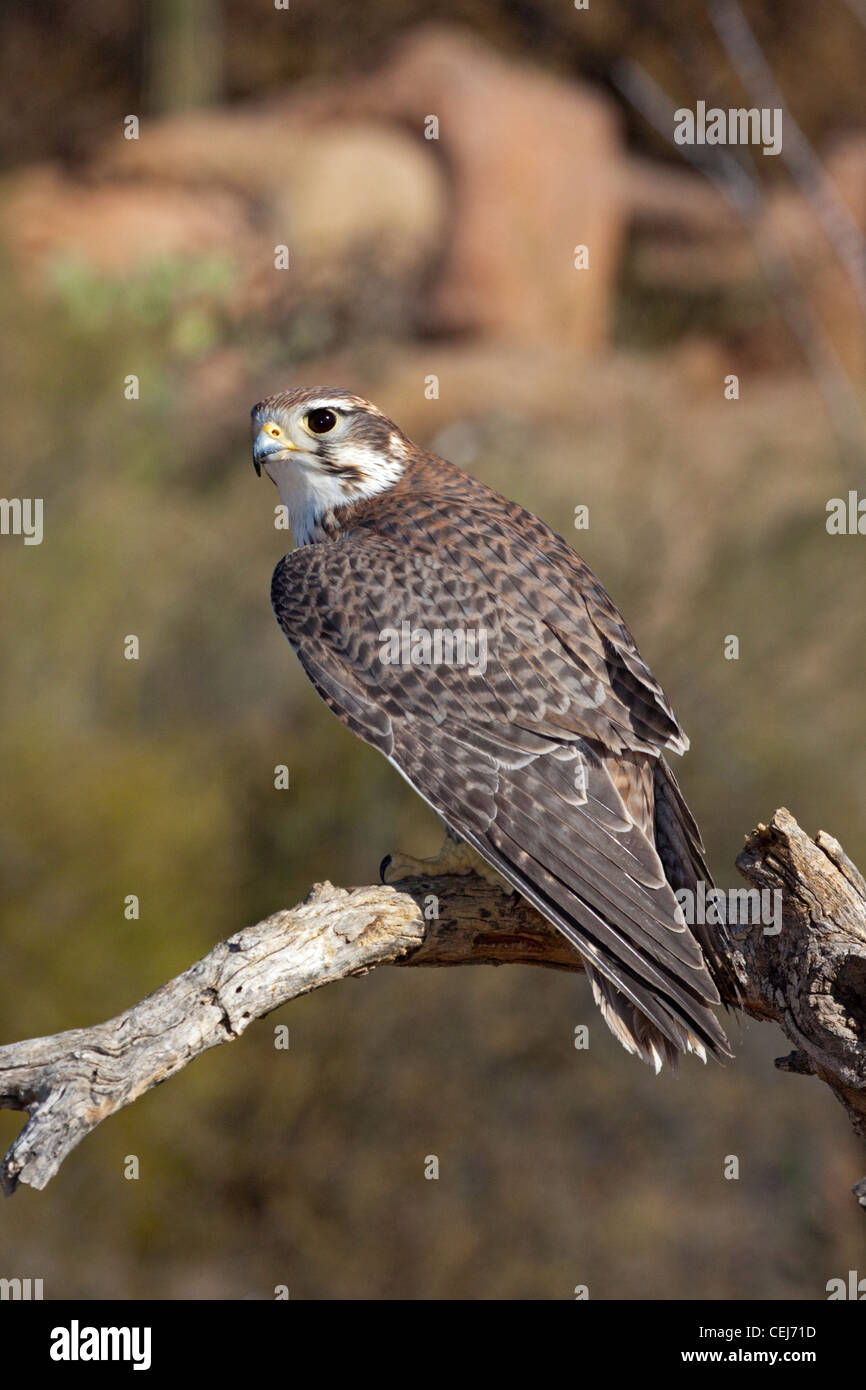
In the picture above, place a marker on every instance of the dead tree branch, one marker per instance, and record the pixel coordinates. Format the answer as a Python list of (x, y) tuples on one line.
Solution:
[(810, 978)]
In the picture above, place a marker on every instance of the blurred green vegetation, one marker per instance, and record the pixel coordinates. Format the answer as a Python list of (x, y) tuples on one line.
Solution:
[(155, 777)]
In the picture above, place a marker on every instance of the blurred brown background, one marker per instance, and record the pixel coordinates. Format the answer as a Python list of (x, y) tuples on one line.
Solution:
[(412, 258)]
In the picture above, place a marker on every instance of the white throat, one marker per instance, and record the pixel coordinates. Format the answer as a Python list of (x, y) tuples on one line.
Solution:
[(308, 493)]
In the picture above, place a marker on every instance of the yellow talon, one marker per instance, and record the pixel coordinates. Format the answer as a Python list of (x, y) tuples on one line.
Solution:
[(455, 857)]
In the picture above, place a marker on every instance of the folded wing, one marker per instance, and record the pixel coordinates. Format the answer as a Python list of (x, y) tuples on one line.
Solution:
[(545, 756)]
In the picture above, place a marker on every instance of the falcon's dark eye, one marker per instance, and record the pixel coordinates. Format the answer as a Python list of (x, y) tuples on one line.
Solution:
[(321, 421)]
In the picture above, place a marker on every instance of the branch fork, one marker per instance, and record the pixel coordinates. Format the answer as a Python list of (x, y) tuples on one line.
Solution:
[(810, 978)]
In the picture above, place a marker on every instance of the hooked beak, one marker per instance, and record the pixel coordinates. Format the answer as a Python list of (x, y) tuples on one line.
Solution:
[(265, 447)]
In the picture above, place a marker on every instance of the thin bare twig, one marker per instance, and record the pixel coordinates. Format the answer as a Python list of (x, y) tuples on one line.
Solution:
[(742, 189)]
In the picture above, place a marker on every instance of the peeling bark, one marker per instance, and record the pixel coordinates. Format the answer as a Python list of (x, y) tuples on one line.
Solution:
[(810, 978)]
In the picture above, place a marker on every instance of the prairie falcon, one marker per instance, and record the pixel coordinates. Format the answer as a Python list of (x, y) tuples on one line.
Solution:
[(547, 756)]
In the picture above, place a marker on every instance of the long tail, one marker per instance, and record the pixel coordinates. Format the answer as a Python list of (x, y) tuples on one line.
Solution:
[(681, 851), (678, 843)]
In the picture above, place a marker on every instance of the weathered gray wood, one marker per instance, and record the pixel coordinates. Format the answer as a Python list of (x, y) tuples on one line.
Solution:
[(810, 978)]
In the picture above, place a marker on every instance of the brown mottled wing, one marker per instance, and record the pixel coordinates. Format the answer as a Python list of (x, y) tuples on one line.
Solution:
[(506, 549), (543, 761)]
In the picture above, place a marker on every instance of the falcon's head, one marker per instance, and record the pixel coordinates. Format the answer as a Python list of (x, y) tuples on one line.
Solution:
[(323, 449)]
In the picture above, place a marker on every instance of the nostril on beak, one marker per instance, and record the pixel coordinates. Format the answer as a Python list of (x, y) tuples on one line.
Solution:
[(265, 446)]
